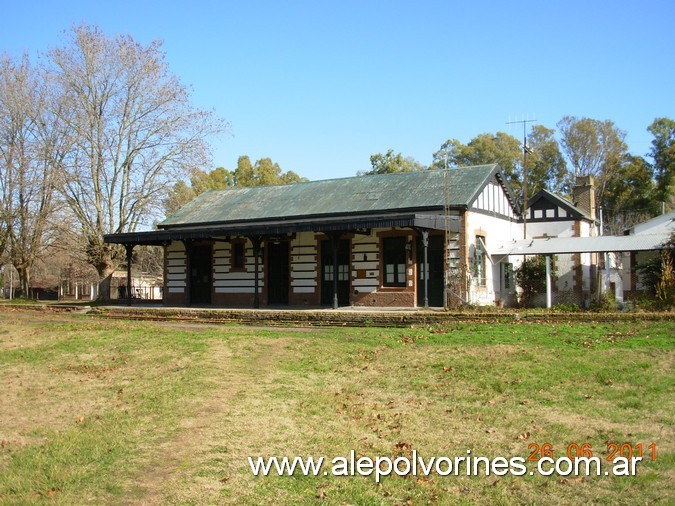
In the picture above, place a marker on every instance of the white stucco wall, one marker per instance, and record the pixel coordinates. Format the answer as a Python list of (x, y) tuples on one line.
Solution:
[(496, 230)]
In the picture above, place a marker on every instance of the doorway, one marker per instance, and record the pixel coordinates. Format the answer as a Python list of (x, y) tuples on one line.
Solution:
[(342, 272), (436, 271), (201, 274), (277, 272)]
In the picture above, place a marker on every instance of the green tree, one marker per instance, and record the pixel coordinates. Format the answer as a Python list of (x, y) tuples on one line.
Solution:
[(630, 196), (200, 182), (663, 153), (546, 167), (291, 177), (180, 194), (243, 174), (500, 148), (218, 179), (390, 163), (264, 173)]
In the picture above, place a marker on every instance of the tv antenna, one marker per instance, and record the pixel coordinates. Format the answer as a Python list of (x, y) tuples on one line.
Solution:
[(526, 150)]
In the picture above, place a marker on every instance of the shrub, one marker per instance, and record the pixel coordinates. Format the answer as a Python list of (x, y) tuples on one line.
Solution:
[(658, 274), (531, 278)]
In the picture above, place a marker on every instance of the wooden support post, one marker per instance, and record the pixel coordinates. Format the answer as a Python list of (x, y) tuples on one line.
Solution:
[(257, 243), (548, 281), (334, 240), (425, 267), (130, 250)]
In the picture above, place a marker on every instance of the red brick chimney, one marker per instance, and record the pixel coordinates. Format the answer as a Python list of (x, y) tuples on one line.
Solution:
[(584, 195)]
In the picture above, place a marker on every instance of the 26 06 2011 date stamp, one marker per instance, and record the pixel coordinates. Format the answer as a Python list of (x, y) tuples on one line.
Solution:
[(585, 450)]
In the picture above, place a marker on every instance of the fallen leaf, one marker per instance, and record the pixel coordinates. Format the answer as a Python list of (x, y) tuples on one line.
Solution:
[(403, 446), (51, 492), (422, 481)]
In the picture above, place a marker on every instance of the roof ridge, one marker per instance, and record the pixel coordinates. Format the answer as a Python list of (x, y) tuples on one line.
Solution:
[(362, 176)]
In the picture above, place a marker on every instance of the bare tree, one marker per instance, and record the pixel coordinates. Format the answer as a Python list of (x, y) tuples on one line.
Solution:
[(594, 148), (27, 151), (134, 134)]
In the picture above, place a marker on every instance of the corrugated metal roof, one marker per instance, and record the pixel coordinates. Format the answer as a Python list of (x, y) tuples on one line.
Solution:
[(662, 223), (361, 194), (600, 244)]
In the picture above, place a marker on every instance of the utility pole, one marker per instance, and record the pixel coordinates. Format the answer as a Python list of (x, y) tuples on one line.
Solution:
[(446, 224), (526, 150)]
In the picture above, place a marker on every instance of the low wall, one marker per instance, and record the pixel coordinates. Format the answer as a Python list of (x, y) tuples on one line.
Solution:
[(370, 318)]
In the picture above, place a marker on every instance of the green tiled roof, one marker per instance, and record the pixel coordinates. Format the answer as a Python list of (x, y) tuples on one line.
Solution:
[(353, 195)]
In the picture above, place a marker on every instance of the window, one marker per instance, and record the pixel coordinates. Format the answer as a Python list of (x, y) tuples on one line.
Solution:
[(343, 272), (508, 275), (393, 256), (238, 255), (480, 260)]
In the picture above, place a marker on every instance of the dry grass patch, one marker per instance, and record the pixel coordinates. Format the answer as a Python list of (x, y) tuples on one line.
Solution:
[(171, 412)]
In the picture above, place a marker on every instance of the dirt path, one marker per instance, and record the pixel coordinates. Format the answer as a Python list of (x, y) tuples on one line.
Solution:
[(202, 442)]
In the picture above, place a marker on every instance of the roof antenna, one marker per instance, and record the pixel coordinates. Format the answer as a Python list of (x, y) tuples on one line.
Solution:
[(526, 150)]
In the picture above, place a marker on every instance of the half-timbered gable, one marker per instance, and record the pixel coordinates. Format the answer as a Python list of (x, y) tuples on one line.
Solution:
[(547, 207), (495, 199)]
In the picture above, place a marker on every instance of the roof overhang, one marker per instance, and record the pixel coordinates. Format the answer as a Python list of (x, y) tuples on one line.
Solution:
[(279, 227), (567, 245)]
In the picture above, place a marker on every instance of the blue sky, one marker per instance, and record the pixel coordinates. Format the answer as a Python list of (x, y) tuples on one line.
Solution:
[(320, 86)]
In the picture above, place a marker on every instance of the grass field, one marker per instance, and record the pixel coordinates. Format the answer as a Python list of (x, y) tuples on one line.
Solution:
[(111, 411)]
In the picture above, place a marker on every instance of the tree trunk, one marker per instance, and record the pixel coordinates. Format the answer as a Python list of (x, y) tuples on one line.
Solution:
[(24, 281), (105, 270)]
